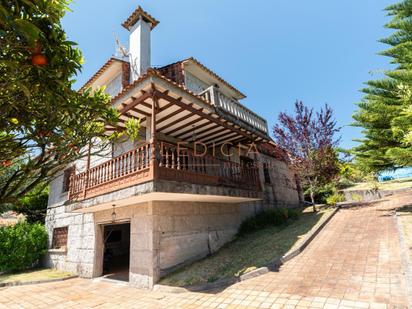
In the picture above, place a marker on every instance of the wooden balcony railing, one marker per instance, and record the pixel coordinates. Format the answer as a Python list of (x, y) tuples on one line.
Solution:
[(172, 163), (183, 165), (125, 170)]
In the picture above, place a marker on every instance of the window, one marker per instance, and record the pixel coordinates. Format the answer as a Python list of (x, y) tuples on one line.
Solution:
[(266, 173), (59, 237), (66, 178)]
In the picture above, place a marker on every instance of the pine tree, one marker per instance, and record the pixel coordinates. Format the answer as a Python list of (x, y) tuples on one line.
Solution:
[(385, 112)]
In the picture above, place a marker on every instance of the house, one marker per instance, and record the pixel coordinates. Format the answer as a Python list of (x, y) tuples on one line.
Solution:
[(203, 163), (10, 218)]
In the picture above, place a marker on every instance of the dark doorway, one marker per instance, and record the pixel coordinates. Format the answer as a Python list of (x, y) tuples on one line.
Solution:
[(116, 258)]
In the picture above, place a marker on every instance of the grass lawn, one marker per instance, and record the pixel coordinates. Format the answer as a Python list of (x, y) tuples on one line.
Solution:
[(406, 220), (248, 252), (34, 275), (387, 185)]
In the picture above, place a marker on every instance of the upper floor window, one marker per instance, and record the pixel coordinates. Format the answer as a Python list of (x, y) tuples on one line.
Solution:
[(59, 237), (266, 173), (66, 178)]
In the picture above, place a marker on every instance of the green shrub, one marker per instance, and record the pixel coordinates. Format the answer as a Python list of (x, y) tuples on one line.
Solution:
[(335, 198), (321, 193), (356, 197), (270, 217), (22, 246)]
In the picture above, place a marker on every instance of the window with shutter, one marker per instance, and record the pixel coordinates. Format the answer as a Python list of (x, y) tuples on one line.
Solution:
[(59, 237), (66, 178)]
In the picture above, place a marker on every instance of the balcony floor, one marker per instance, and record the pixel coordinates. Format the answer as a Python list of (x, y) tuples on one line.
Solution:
[(158, 196)]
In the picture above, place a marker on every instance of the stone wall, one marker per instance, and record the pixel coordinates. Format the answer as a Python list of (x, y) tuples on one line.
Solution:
[(188, 231), (370, 195), (282, 190), (163, 234), (142, 248), (166, 234), (114, 86), (78, 256), (194, 84)]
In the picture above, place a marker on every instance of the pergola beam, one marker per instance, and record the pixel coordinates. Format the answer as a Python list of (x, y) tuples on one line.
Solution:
[(168, 105), (198, 127), (135, 102), (185, 125), (171, 115), (142, 103), (211, 133), (171, 124), (235, 142), (219, 137), (199, 113), (139, 111)]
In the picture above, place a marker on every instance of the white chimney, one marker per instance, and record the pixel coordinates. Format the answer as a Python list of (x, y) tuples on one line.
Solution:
[(140, 24)]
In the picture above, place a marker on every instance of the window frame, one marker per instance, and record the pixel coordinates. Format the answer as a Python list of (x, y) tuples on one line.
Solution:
[(58, 233), (67, 173)]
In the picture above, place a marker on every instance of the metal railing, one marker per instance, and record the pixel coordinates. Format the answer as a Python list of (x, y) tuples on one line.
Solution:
[(233, 107)]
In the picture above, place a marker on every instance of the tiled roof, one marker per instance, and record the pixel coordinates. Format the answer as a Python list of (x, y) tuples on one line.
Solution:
[(153, 72), (210, 72), (193, 60), (173, 71), (134, 17), (100, 72)]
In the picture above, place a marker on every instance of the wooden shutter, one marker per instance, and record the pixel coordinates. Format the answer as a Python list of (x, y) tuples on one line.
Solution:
[(66, 178), (59, 237)]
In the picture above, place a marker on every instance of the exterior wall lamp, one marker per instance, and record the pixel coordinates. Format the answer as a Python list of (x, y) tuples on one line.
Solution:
[(113, 214)]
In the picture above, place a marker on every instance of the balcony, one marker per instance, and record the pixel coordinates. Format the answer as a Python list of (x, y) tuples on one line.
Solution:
[(167, 162), (234, 108)]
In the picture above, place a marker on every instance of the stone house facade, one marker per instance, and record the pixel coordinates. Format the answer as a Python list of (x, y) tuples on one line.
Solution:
[(203, 163)]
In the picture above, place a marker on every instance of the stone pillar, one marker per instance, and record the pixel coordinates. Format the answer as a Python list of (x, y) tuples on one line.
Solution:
[(99, 251), (144, 248)]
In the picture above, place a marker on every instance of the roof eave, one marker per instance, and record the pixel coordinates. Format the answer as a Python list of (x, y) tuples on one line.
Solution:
[(213, 74), (99, 72)]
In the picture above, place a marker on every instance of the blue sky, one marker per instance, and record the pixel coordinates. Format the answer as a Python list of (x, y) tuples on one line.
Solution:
[(274, 51)]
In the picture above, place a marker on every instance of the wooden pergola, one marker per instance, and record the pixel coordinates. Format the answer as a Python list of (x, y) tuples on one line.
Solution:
[(184, 117), (170, 112)]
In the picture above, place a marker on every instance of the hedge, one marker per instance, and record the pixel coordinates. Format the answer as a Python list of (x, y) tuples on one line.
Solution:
[(269, 217), (21, 246)]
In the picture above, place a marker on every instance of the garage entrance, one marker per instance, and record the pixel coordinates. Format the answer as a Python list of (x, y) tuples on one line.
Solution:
[(116, 256)]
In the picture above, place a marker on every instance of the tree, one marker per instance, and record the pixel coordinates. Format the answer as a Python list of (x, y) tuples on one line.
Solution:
[(44, 123), (33, 205), (310, 140), (385, 112)]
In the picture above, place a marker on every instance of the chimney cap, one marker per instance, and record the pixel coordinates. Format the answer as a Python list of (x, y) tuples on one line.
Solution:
[(136, 15)]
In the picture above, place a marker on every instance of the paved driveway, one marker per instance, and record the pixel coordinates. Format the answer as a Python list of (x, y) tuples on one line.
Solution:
[(355, 262)]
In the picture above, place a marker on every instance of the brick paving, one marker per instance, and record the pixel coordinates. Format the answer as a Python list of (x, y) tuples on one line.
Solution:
[(355, 262)]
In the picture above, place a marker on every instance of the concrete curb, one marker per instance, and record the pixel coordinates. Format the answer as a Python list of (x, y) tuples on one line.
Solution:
[(406, 262), (271, 266), (17, 283), (312, 234)]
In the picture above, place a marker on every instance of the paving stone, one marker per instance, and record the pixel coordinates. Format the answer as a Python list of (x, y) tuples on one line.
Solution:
[(354, 262)]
